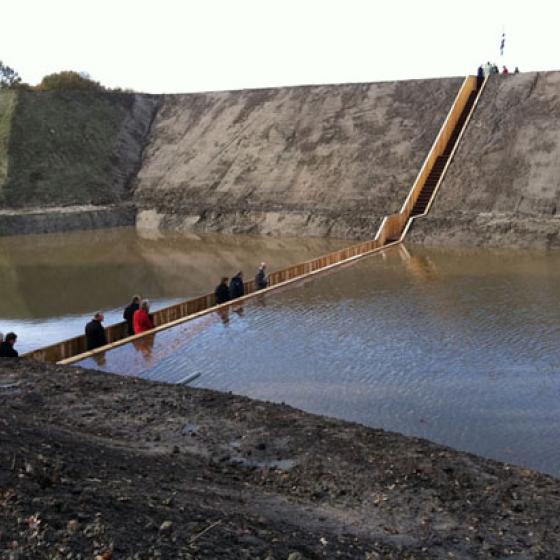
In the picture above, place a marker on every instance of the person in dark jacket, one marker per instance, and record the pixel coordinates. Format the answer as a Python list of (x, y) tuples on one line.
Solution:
[(128, 314), (261, 281), (7, 349), (479, 77), (95, 333), (236, 286), (222, 291)]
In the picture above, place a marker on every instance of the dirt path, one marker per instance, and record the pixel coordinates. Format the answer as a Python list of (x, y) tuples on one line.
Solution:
[(100, 466)]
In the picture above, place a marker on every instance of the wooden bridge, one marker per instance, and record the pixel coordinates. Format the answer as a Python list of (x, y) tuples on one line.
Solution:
[(392, 231)]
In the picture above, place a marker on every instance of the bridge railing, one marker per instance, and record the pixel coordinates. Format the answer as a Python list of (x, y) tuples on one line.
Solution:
[(77, 345), (393, 227), (391, 230)]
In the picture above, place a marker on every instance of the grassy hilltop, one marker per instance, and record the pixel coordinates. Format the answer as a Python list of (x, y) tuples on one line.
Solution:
[(69, 148)]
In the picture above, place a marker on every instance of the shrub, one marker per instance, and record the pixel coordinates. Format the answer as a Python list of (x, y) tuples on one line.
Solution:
[(69, 80)]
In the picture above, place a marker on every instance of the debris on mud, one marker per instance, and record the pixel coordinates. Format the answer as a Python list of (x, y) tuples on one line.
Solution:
[(104, 467)]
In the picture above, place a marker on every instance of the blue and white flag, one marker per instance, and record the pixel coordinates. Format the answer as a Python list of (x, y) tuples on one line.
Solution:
[(502, 44)]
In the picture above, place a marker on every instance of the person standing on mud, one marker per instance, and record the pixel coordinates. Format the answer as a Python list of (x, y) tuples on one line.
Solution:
[(221, 292), (236, 286), (128, 314), (142, 320), (95, 333), (261, 281), (7, 349)]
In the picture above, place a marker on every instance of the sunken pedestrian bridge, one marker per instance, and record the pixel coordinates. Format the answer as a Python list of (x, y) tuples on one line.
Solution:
[(391, 232)]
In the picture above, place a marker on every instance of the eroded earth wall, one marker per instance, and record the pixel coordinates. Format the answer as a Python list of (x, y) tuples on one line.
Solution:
[(503, 186), (310, 161)]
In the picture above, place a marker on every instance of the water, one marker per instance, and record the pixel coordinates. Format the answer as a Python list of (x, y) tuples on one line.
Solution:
[(460, 347), (52, 284)]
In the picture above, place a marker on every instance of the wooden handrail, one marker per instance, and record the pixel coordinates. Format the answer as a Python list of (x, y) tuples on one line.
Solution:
[(395, 226), (67, 349), (392, 230)]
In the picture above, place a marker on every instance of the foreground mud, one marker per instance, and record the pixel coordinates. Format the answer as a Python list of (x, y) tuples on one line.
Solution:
[(100, 466)]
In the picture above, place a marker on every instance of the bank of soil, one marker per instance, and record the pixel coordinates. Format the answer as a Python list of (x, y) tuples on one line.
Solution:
[(67, 159), (98, 466), (328, 160), (503, 186)]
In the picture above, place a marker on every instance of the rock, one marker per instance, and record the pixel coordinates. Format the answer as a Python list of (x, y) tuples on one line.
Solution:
[(296, 556), (166, 527), (72, 526)]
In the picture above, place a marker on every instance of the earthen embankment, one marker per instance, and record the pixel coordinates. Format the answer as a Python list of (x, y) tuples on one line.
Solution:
[(312, 161), (97, 465), (503, 187), (67, 159)]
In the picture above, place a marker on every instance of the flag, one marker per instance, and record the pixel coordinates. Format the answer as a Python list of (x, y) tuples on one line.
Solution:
[(502, 44)]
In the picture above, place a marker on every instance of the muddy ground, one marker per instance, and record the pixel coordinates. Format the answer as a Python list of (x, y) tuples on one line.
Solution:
[(96, 466)]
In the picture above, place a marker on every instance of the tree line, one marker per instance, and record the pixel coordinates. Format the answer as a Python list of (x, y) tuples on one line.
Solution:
[(66, 80)]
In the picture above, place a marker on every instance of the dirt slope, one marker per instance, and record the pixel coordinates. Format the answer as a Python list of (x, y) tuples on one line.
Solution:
[(92, 463), (503, 187), (318, 160)]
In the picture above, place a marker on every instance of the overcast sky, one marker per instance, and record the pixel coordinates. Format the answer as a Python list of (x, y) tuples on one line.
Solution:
[(185, 46)]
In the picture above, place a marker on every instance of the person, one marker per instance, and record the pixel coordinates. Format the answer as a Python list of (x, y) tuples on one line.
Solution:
[(487, 69), (495, 69), (1, 337), (7, 349), (479, 76), (261, 281), (505, 71), (142, 320), (236, 286), (128, 314), (222, 291), (516, 71), (95, 333)]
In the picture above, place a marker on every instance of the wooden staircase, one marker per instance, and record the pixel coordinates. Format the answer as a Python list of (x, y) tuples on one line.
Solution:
[(435, 174)]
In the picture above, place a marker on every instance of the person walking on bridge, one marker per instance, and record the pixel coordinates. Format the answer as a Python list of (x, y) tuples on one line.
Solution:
[(128, 314), (236, 286), (221, 292), (7, 349), (142, 320), (95, 332), (261, 280)]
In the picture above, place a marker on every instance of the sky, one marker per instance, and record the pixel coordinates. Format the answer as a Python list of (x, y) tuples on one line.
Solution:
[(173, 46)]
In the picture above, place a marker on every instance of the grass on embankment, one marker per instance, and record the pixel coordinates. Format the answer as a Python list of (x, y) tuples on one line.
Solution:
[(61, 148), (8, 101)]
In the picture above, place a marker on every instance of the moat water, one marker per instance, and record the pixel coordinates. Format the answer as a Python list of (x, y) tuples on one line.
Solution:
[(457, 346), (52, 284)]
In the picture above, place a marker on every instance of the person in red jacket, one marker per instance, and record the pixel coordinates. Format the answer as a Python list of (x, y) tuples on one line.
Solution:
[(142, 320)]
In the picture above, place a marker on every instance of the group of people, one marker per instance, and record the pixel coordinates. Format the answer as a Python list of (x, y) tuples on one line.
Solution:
[(137, 312), (235, 288), (485, 70), (137, 317), (7, 343)]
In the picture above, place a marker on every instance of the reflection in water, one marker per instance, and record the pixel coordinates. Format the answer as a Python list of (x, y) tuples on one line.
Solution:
[(460, 347), (57, 281), (145, 346)]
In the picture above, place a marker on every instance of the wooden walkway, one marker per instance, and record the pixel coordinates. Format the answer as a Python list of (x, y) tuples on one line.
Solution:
[(392, 231)]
